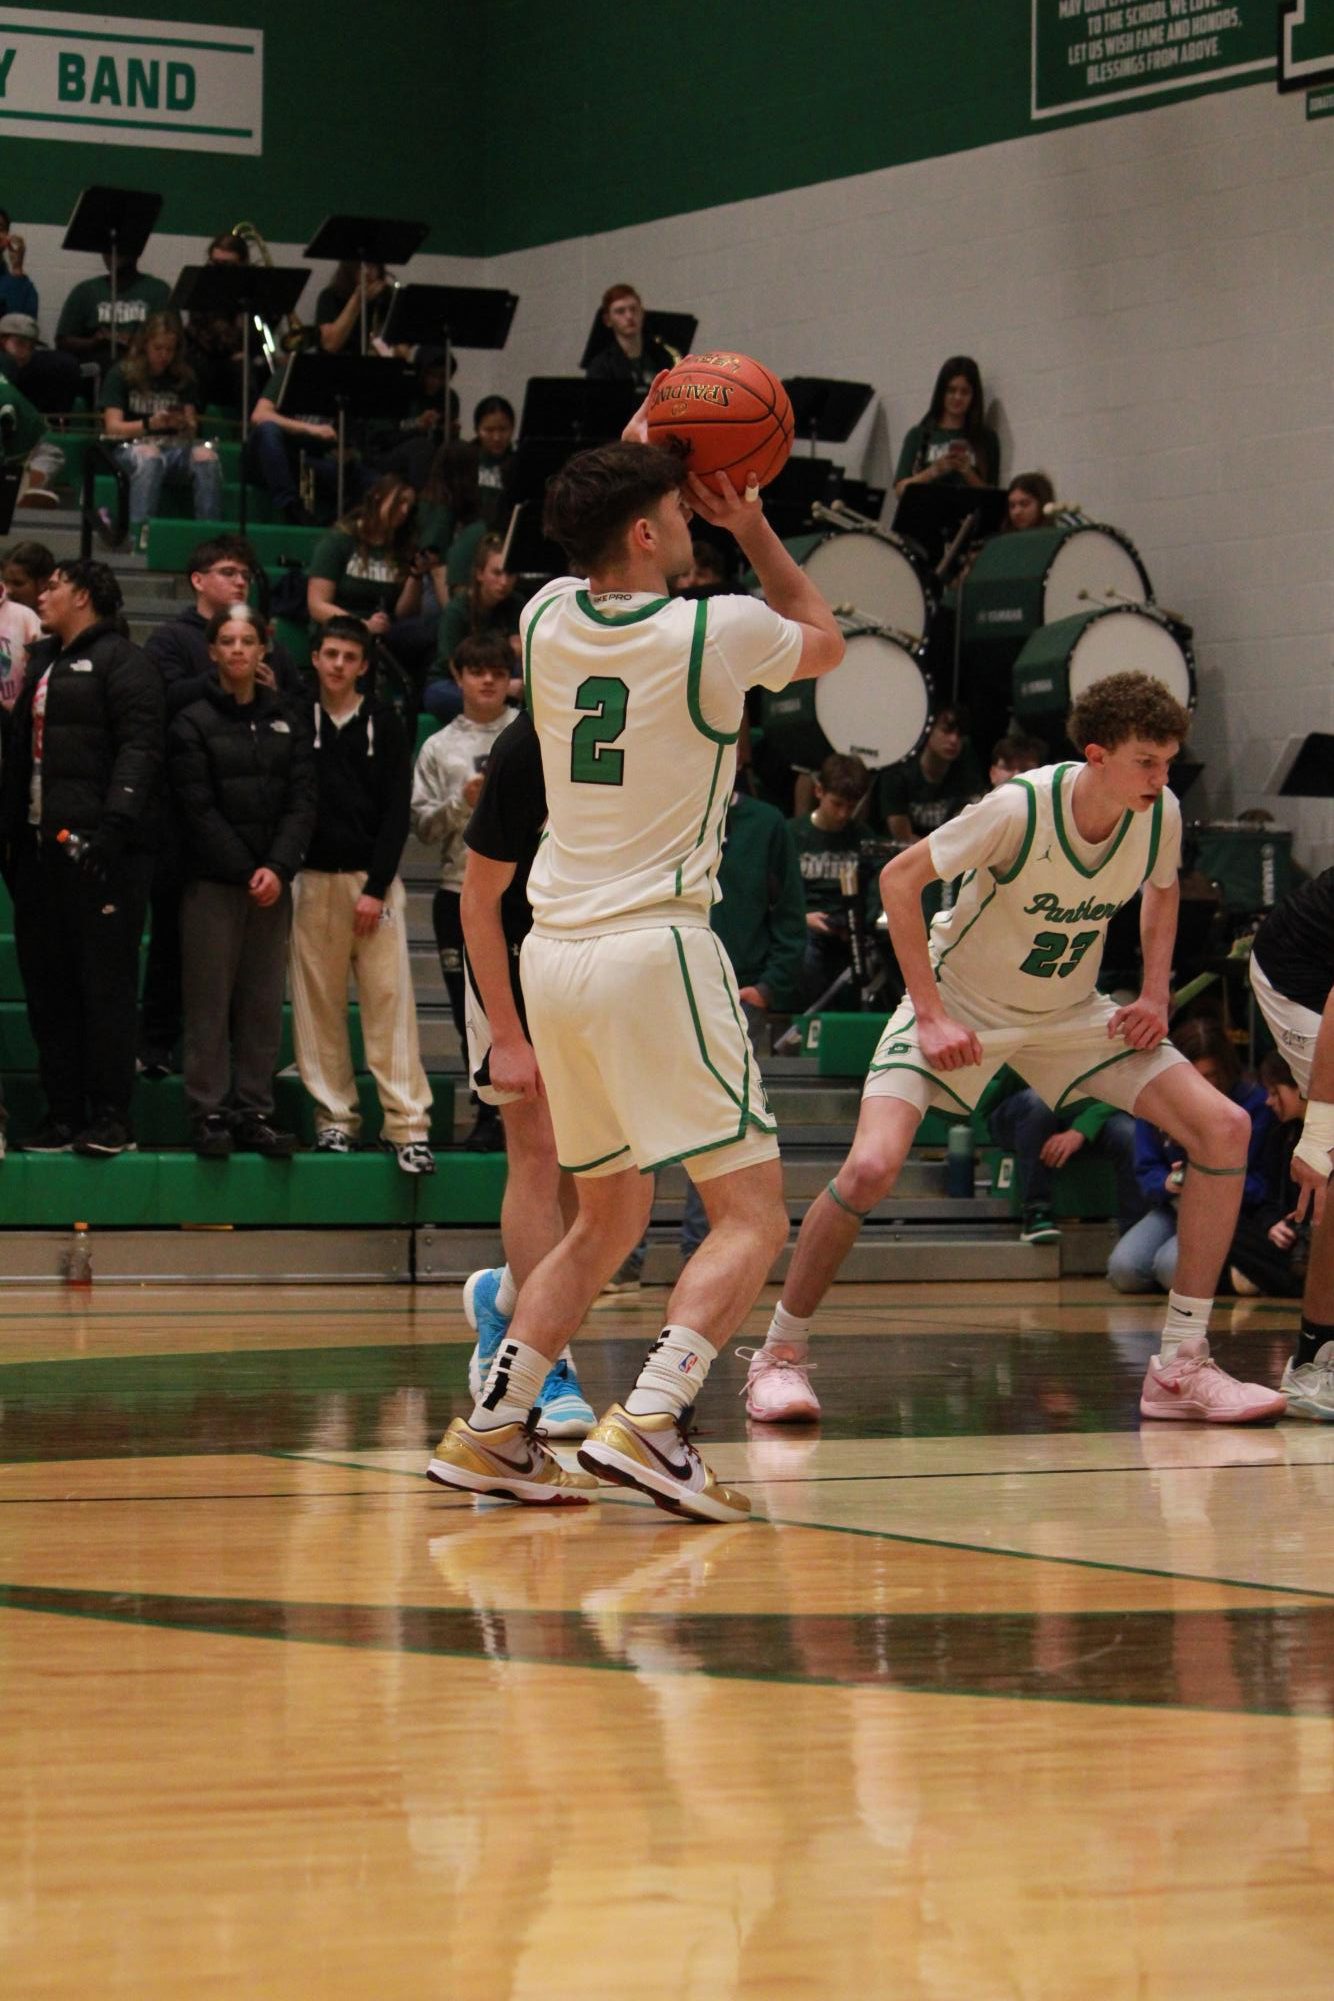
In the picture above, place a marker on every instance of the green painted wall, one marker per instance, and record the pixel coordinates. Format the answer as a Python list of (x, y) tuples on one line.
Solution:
[(366, 110)]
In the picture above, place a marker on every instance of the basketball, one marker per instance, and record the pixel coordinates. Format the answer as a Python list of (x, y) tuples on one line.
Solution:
[(728, 414)]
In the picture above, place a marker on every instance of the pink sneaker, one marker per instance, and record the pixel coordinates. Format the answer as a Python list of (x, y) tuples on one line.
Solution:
[(1193, 1387), (778, 1387)]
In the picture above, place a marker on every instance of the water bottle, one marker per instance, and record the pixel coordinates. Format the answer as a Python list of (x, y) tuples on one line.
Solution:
[(75, 846), (79, 1258), (959, 1162)]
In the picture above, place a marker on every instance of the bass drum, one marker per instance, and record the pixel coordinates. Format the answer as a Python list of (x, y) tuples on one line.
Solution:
[(1040, 576), (1064, 660), (876, 705), (879, 576)]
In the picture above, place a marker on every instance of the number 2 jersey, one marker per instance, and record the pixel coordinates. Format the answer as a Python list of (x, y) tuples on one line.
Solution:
[(637, 701), (1027, 929)]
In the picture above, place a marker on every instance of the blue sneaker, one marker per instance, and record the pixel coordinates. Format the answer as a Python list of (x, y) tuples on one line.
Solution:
[(563, 1411), (490, 1326)]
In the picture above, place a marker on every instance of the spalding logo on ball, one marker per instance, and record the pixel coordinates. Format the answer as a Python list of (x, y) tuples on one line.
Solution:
[(727, 413)]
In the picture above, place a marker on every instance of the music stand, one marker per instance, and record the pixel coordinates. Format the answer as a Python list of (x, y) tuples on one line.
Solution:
[(366, 239), (466, 315), (119, 220), (675, 331), (824, 408), (328, 384), (266, 291), (1305, 768), (527, 551), (802, 483), (575, 409)]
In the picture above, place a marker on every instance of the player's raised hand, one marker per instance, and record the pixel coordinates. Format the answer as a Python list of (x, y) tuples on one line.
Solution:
[(947, 1044), (1142, 1024), (636, 431), (718, 501)]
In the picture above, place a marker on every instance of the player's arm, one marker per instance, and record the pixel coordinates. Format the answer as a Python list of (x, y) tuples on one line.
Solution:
[(1143, 1024), (787, 588), (513, 1064), (945, 1043)]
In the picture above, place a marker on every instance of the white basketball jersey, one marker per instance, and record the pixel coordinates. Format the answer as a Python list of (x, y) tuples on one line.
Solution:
[(638, 703), (1028, 927)]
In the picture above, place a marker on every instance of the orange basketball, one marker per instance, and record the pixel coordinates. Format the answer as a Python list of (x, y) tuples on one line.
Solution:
[(728, 414)]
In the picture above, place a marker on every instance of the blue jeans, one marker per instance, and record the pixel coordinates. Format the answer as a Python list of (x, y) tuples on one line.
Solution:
[(273, 456), (1024, 1122), (1145, 1258), (150, 466)]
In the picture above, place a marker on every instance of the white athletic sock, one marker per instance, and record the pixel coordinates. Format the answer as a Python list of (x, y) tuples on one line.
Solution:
[(673, 1373), (788, 1331), (511, 1388), (507, 1294), (1184, 1318)]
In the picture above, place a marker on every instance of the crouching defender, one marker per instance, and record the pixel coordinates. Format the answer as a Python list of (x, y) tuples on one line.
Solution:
[(1008, 975)]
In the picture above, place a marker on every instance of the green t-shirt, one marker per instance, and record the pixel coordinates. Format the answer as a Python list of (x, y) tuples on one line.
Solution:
[(458, 560), (364, 580), (159, 392), (819, 854), (927, 803), (491, 477), (986, 458), (87, 310), (21, 424), (435, 526)]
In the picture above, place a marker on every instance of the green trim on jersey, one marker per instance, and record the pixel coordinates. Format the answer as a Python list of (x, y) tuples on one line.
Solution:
[(590, 610), (742, 1102), (694, 674), (932, 1077), (982, 906), (710, 1146), (540, 613), (1058, 817), (1008, 875), (587, 1166), (1155, 835), (1106, 1064)]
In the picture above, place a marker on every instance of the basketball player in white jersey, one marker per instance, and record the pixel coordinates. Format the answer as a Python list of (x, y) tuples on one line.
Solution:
[(640, 1038), (1008, 976)]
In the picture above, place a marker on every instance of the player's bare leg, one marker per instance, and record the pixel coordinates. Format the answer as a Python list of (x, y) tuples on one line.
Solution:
[(1182, 1381), (748, 1228), (611, 1218), (531, 1222)]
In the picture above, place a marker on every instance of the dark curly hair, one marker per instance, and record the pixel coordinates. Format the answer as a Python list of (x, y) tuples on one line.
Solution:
[(1124, 706)]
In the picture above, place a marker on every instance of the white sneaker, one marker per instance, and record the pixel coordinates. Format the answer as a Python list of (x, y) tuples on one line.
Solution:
[(1310, 1387), (413, 1157), (332, 1139)]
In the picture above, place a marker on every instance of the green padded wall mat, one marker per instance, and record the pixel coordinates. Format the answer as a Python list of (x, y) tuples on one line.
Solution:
[(466, 1188)]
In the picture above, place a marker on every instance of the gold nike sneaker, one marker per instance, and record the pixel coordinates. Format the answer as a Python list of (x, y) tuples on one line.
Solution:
[(654, 1453), (509, 1464)]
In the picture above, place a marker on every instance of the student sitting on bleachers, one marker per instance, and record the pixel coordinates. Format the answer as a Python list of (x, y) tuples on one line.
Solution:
[(1043, 1141), (84, 328), (349, 913), (826, 838), (918, 794), (1270, 1250), (489, 609), (50, 381), (221, 572), (26, 570), (150, 406), (281, 440)]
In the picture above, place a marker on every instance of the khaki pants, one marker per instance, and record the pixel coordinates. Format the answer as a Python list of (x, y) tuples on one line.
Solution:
[(324, 953)]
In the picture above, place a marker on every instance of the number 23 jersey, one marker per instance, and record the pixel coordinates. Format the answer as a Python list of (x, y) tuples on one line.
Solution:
[(638, 702), (1028, 927)]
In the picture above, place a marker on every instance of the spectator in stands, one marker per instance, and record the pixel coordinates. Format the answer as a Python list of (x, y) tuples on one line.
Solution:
[(1014, 753), (350, 914), (917, 795), (1270, 1250), (449, 516), (338, 307), (281, 441), (20, 629), (707, 575), (951, 443), (221, 572), (18, 294), (1043, 1141), (408, 447), (826, 838), (242, 780), (215, 343), (446, 787), (150, 401), (490, 609), (1028, 496), (83, 759), (628, 356), (22, 447), (84, 327), (1145, 1258), (26, 570), (493, 447), (50, 381), (364, 567)]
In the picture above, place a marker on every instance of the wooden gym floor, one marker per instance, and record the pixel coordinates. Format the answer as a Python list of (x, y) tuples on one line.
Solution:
[(1002, 1696)]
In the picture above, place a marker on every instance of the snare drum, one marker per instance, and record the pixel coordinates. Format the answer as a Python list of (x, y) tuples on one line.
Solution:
[(1063, 660), (875, 705), (878, 575), (1040, 576)]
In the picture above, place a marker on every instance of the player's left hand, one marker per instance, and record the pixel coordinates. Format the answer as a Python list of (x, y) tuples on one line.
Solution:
[(366, 914), (1142, 1024), (636, 431)]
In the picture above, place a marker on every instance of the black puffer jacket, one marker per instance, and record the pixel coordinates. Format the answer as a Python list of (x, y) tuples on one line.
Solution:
[(102, 743), (242, 778)]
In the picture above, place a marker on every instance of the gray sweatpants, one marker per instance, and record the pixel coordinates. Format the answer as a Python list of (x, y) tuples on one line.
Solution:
[(233, 965)]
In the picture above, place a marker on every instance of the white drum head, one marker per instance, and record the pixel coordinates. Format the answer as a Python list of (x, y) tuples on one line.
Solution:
[(875, 704), (1092, 560), (1128, 642), (858, 569)]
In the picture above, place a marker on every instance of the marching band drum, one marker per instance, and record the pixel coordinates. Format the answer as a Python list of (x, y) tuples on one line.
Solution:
[(1061, 661)]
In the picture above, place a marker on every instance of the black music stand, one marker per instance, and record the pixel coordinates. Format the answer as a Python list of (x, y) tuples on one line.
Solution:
[(332, 384), (115, 220), (800, 486), (366, 239), (574, 409), (825, 409), (1305, 768), (230, 290), (527, 551), (460, 315), (670, 330)]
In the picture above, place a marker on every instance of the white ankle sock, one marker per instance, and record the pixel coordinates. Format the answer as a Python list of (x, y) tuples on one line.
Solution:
[(673, 1373), (1184, 1317), (511, 1387), (786, 1330), (507, 1294)]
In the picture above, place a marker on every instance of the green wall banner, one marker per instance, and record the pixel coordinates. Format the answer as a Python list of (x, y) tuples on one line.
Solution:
[(114, 81), (1305, 45), (1320, 103), (1087, 54)]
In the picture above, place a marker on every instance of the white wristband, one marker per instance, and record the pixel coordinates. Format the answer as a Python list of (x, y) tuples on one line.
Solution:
[(1317, 1141)]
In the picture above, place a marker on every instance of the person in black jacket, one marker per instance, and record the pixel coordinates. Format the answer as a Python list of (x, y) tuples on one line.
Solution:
[(243, 784), (79, 820), (349, 914)]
